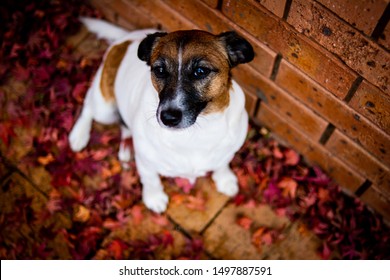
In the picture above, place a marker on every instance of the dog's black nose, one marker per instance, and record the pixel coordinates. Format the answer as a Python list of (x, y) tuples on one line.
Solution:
[(171, 117)]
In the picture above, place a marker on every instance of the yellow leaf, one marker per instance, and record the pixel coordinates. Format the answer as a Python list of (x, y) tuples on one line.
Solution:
[(46, 160), (82, 215)]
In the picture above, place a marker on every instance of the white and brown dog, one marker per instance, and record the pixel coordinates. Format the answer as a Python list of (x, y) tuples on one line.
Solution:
[(186, 115)]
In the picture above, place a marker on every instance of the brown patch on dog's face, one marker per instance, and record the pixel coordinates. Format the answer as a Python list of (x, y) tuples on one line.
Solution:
[(110, 68), (191, 73), (197, 62)]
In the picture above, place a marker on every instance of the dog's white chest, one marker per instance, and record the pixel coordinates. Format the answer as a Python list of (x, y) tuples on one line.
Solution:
[(189, 153)]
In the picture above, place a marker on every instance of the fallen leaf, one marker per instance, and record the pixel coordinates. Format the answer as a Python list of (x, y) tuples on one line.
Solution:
[(244, 222), (82, 214), (289, 186), (291, 157), (46, 159)]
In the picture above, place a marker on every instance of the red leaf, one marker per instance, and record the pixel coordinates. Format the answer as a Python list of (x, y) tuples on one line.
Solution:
[(184, 184), (291, 157), (326, 251), (116, 248), (79, 90), (167, 239)]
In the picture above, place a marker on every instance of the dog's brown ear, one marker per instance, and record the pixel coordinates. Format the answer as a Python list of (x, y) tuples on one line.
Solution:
[(146, 46), (239, 50)]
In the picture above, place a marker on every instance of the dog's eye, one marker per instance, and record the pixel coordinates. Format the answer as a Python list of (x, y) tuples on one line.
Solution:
[(201, 72), (160, 72)]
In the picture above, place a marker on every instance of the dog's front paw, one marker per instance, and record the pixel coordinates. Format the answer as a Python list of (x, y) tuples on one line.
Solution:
[(124, 153), (156, 201), (226, 182), (79, 136), (229, 188)]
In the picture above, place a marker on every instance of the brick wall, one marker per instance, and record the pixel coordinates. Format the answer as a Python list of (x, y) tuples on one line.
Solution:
[(320, 79)]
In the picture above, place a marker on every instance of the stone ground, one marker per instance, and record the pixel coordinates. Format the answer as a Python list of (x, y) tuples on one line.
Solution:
[(211, 217)]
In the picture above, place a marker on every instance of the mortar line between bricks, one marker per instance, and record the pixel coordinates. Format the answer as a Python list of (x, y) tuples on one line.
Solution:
[(275, 68), (257, 107), (286, 9), (382, 23), (327, 133), (353, 89), (219, 5), (363, 188)]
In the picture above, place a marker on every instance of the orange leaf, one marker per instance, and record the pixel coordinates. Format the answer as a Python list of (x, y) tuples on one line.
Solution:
[(257, 237), (244, 222), (82, 215), (289, 186), (136, 213), (46, 160)]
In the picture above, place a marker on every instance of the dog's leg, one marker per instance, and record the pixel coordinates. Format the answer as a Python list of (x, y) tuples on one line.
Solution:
[(153, 194), (124, 153), (96, 108), (226, 181), (79, 136)]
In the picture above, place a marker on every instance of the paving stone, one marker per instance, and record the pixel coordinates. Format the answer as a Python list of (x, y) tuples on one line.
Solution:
[(140, 228), (194, 212), (226, 239), (14, 188), (299, 244), (19, 200)]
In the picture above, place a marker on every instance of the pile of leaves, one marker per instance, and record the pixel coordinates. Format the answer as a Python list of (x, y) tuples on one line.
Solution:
[(72, 203), (271, 174)]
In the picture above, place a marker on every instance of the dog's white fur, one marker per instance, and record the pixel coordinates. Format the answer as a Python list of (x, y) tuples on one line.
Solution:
[(208, 145)]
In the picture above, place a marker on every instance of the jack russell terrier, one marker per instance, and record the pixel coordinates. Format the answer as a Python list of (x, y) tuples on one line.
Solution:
[(174, 95)]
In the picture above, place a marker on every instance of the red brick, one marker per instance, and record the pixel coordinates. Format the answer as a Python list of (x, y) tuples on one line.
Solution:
[(362, 14), (214, 22), (353, 48), (169, 17), (211, 3), (308, 56), (305, 119), (374, 104), (104, 8), (335, 111), (384, 38), (275, 6), (125, 23), (314, 152), (131, 13), (359, 159), (377, 201)]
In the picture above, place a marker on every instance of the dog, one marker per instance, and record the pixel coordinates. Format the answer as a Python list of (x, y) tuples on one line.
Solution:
[(174, 95)]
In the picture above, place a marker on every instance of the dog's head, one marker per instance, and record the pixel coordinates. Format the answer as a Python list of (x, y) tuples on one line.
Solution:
[(191, 72)]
